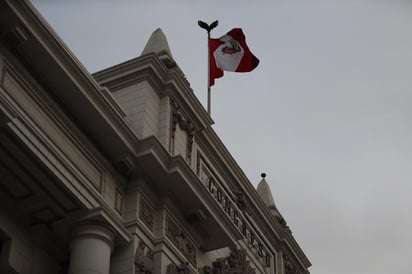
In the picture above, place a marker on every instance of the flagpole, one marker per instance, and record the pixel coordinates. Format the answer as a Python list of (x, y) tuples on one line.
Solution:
[(208, 74), (208, 28)]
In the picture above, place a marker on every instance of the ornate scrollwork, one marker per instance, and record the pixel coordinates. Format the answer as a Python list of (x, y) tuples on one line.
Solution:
[(181, 240), (236, 263), (173, 124), (184, 124), (190, 140), (143, 259), (146, 214)]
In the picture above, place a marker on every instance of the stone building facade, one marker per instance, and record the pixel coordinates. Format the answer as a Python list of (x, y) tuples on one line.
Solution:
[(120, 172)]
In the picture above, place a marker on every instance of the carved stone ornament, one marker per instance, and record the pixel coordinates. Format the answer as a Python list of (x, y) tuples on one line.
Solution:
[(236, 263), (174, 109), (181, 240), (143, 259), (186, 125), (190, 140), (289, 268), (241, 201), (146, 214), (170, 64), (181, 269)]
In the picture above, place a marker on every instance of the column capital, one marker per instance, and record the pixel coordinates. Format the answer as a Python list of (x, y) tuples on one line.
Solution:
[(91, 245), (94, 230)]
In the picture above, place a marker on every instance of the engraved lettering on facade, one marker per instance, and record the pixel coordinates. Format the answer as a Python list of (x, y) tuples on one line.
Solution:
[(234, 209)]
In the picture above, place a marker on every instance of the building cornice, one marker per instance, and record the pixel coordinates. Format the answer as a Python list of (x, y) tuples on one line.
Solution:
[(80, 93), (144, 68), (172, 176)]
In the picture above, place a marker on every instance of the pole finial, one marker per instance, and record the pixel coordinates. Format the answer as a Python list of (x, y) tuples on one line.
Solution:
[(206, 26)]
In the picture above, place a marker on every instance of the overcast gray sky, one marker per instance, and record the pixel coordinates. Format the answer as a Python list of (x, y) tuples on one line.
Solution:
[(326, 114)]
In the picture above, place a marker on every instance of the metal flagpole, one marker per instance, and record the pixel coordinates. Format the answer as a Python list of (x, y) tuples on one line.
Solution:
[(208, 28)]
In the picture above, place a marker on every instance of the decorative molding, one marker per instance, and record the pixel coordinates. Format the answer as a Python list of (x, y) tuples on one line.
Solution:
[(146, 214), (190, 130), (23, 93), (235, 263), (174, 110), (170, 64), (186, 125), (181, 240), (118, 201), (143, 259)]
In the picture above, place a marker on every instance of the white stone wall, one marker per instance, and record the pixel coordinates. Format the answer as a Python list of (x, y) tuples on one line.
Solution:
[(164, 122), (132, 100), (152, 111), (142, 107), (180, 142)]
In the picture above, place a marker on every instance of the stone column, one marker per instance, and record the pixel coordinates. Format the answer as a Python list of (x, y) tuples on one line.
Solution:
[(90, 249)]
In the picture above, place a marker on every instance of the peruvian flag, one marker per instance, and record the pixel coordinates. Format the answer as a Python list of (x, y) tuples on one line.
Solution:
[(231, 53)]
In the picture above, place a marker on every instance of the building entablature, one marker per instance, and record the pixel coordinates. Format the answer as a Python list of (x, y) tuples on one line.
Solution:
[(56, 171), (26, 35)]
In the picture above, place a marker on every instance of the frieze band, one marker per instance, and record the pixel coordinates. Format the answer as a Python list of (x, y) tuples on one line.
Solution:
[(181, 240), (146, 214), (143, 259)]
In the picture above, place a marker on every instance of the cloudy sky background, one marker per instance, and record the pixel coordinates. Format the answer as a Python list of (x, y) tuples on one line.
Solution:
[(326, 114)]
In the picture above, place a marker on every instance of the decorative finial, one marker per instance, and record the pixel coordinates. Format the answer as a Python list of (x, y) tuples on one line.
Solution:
[(263, 175), (207, 27)]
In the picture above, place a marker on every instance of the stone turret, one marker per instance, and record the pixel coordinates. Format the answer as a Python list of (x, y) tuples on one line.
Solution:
[(265, 193)]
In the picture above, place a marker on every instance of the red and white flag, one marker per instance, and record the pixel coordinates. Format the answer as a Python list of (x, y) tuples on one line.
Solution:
[(231, 53)]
